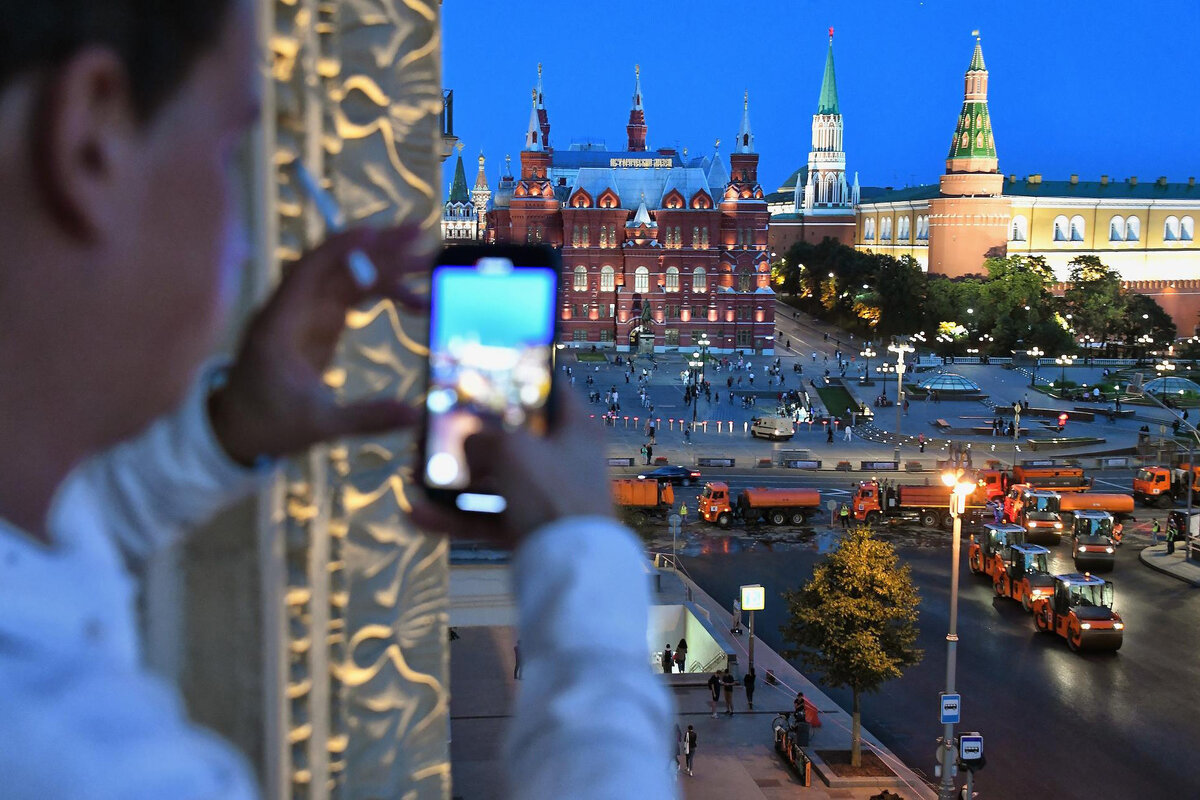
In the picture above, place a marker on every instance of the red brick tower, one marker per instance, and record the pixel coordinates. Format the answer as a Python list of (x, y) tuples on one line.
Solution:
[(637, 116)]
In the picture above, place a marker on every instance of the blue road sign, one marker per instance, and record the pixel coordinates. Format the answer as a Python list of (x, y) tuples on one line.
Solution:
[(970, 747), (951, 709)]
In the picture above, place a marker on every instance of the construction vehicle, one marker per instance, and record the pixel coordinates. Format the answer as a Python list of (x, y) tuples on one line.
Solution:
[(1026, 574), (1164, 485), (928, 505), (776, 506), (640, 500), (1080, 610), (1061, 479), (986, 554), (1119, 505), (1093, 542), (1036, 510)]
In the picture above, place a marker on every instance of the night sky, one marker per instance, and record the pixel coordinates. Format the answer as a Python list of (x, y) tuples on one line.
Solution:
[(1077, 86)]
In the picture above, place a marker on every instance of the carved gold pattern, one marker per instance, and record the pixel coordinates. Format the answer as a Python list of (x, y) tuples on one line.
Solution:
[(358, 94)]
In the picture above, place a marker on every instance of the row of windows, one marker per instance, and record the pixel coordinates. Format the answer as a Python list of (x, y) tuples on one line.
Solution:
[(1120, 229), (641, 279), (744, 338), (903, 228), (672, 236)]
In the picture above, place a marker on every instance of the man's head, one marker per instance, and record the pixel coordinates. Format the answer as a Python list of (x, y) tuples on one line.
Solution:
[(119, 120)]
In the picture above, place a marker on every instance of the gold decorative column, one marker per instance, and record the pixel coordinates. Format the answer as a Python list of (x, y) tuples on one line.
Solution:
[(356, 686)]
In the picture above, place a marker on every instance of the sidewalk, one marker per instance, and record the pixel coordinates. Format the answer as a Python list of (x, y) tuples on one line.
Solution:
[(1155, 557)]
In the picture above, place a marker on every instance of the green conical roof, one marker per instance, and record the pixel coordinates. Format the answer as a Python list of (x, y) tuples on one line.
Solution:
[(458, 190), (973, 136), (828, 103), (977, 58)]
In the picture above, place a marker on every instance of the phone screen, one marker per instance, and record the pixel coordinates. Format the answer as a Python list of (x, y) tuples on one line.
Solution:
[(491, 343)]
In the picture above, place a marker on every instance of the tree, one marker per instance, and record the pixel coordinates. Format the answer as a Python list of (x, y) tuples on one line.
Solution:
[(855, 621), (1094, 298), (900, 286)]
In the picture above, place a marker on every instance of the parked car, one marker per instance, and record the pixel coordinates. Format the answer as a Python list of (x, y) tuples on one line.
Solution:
[(674, 475)]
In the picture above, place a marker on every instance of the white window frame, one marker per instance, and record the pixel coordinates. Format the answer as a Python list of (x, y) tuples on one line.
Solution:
[(700, 280), (581, 279), (608, 279), (641, 280)]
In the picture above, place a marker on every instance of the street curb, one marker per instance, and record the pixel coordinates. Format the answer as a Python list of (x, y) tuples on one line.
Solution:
[(1144, 559)]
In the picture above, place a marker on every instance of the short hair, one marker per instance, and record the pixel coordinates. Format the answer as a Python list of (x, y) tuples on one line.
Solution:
[(158, 41)]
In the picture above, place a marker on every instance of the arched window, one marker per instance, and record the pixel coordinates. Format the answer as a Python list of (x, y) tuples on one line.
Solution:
[(699, 280), (869, 229), (1187, 229), (1060, 228), (885, 229), (1116, 229), (902, 234), (580, 279), (1020, 228), (923, 227), (641, 280), (745, 280), (672, 279), (607, 279), (1077, 228), (1133, 229), (1171, 229)]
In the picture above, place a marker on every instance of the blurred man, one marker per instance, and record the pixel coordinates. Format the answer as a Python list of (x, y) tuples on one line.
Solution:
[(119, 120)]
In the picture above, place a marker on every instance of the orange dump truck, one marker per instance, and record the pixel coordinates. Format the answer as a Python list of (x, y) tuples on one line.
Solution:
[(641, 499), (1164, 485), (776, 506), (1059, 479), (929, 505)]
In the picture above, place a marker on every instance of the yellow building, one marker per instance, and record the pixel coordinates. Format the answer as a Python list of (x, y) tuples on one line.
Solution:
[(1143, 229)]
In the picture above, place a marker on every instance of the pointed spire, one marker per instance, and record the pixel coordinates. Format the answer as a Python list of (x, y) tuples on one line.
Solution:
[(854, 190), (745, 140), (458, 189), (543, 116), (481, 178), (533, 136), (828, 101), (977, 64), (541, 99), (973, 148), (636, 128), (507, 165)]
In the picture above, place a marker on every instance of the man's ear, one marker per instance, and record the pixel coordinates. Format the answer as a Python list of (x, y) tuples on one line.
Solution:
[(82, 136)]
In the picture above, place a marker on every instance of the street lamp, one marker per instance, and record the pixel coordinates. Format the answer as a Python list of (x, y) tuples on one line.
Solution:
[(899, 347), (960, 488), (885, 369), (1062, 362), (695, 364), (1036, 353), (868, 354), (753, 599)]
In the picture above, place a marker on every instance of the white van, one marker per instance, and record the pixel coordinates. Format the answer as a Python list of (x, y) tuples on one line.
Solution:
[(772, 427)]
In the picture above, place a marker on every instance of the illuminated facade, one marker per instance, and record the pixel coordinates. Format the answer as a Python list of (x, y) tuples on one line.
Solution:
[(464, 214), (659, 249), (1144, 230)]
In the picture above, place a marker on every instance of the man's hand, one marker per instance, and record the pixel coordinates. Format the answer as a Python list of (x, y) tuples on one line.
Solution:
[(544, 478), (275, 401)]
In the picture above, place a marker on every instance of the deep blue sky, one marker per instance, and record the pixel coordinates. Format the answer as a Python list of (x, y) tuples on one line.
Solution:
[(1086, 86)]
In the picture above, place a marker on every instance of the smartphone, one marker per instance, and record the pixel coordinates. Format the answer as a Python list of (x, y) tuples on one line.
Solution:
[(493, 322)]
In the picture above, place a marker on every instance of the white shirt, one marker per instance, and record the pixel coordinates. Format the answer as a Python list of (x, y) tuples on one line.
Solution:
[(80, 717)]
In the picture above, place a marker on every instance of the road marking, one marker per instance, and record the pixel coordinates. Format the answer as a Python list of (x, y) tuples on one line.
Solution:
[(1111, 483)]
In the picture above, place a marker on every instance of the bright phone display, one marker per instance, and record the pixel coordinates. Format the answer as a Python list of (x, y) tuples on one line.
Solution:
[(491, 339)]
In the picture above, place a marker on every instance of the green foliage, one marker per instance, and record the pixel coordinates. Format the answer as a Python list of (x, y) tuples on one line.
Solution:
[(854, 622)]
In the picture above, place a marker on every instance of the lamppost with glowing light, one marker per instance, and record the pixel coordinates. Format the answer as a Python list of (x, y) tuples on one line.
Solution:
[(885, 370), (899, 347), (867, 353), (1036, 354), (1062, 362), (960, 488), (695, 364)]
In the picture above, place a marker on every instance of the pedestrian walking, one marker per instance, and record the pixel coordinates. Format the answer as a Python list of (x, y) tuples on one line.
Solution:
[(714, 688), (748, 680), (1171, 536), (1155, 529), (650, 447), (727, 684), (646, 455), (517, 660), (681, 651), (849, 433), (844, 515), (737, 615), (687, 434), (829, 433), (679, 738), (666, 660), (689, 747), (921, 442)]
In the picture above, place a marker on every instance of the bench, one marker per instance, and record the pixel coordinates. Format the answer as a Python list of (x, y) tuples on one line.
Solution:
[(941, 423)]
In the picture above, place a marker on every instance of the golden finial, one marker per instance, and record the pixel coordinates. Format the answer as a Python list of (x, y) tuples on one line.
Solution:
[(460, 148), (717, 145), (481, 159), (975, 33), (533, 92), (637, 70), (539, 69)]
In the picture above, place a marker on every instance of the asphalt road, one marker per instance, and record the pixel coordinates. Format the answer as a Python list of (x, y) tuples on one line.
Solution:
[(1055, 724)]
